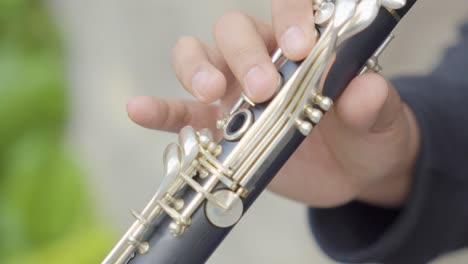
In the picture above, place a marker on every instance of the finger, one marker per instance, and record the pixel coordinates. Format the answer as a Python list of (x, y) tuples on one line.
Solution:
[(227, 90), (368, 123), (341, 142), (368, 113), (294, 27), (247, 55), (266, 32), (195, 71), (233, 88), (171, 115), (369, 104)]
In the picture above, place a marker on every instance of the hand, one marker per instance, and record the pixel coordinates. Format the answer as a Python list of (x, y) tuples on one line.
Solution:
[(364, 148)]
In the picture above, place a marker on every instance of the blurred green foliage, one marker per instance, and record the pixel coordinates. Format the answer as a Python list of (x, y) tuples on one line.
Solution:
[(45, 216), (25, 25)]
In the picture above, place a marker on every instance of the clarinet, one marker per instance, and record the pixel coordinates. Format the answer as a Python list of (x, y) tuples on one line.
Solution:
[(209, 185)]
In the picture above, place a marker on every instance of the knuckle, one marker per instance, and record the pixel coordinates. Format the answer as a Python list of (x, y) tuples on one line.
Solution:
[(246, 56), (244, 53)]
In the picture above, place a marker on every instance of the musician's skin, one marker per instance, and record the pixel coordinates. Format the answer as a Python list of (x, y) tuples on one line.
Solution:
[(364, 148)]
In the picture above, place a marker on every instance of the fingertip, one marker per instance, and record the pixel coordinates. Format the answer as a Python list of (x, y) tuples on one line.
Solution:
[(362, 101), (294, 27), (139, 109), (260, 82), (297, 43), (370, 79), (218, 86), (209, 85)]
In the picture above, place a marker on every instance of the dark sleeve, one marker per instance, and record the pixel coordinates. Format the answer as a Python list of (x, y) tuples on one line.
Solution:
[(435, 218)]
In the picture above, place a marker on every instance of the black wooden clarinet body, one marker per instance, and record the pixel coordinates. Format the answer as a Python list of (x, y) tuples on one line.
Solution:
[(173, 230)]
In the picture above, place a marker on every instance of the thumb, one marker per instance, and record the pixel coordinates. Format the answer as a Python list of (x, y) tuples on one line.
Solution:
[(370, 104)]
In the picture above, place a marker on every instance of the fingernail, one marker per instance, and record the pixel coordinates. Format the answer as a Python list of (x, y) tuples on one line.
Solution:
[(293, 39), (199, 84), (256, 80)]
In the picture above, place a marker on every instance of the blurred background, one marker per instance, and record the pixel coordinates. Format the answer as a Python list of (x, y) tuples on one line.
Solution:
[(71, 162)]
